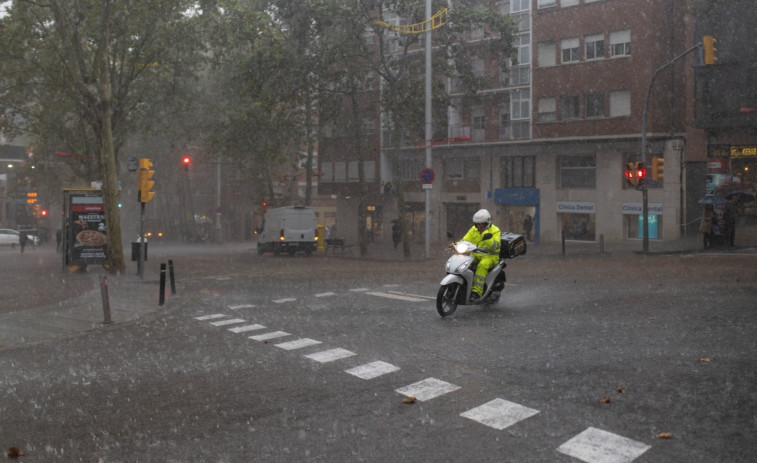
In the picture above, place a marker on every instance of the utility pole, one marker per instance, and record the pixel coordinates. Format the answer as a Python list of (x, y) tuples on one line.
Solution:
[(644, 193)]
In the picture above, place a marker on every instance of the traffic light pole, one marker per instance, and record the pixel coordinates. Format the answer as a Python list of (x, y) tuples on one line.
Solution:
[(644, 193), (141, 259)]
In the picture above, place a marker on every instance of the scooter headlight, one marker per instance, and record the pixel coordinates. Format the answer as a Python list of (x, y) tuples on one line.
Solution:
[(461, 248)]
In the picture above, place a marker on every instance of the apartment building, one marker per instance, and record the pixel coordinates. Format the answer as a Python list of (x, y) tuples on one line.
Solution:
[(552, 138)]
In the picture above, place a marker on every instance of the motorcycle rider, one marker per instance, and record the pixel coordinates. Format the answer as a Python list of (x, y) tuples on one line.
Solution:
[(482, 224)]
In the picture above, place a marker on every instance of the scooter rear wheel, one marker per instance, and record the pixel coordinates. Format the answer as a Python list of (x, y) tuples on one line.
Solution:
[(446, 304)]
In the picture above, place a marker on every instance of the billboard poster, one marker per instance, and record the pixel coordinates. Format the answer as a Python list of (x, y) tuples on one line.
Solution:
[(85, 228)]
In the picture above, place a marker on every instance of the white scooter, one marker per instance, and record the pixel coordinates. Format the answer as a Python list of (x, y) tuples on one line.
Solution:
[(455, 288)]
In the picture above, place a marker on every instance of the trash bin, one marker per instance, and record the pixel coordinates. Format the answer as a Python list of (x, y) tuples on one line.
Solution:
[(135, 245)]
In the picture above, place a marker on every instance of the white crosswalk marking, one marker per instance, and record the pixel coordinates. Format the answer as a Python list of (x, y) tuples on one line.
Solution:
[(210, 317), (330, 355), (298, 344), (427, 389), (325, 294), (246, 328), (283, 300), (228, 322), (597, 446), (372, 370), (499, 413), (242, 306), (272, 335)]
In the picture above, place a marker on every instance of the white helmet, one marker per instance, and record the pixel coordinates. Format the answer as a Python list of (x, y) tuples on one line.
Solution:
[(483, 216)]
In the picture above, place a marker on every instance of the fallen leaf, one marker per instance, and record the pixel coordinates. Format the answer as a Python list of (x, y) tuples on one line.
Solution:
[(13, 452), (705, 360), (605, 400), (664, 435), (409, 400), (621, 390)]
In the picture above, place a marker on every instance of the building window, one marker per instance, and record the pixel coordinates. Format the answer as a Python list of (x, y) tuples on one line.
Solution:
[(594, 46), (411, 167), (504, 122), (478, 123), (523, 42), (520, 5), (569, 107), (569, 48), (578, 226), (369, 170), (620, 103), (518, 171), (453, 169), (473, 169), (577, 171), (478, 66), (328, 172), (565, 3), (370, 80), (595, 105), (547, 3), (547, 54), (340, 171), (369, 127), (547, 110), (620, 43)]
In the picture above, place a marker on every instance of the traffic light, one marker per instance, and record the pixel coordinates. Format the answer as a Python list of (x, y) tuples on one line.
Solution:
[(144, 178), (641, 173), (635, 173), (630, 174), (708, 42), (658, 169), (186, 161)]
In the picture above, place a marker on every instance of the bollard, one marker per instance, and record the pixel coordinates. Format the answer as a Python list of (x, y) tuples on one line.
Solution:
[(162, 296), (563, 242), (171, 277), (106, 299)]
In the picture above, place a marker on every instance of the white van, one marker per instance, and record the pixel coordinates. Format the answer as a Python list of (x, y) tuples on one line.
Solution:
[(288, 229)]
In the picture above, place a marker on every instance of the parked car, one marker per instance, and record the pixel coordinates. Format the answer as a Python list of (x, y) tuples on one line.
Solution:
[(10, 237)]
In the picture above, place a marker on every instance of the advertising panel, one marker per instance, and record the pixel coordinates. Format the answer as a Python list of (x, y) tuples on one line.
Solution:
[(85, 228)]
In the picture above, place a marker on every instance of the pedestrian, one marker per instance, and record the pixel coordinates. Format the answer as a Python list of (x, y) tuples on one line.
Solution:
[(58, 238), (396, 233), (528, 225), (707, 226), (22, 240), (729, 220)]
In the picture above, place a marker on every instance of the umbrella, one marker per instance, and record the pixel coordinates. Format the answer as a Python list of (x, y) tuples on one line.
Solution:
[(742, 196), (712, 199)]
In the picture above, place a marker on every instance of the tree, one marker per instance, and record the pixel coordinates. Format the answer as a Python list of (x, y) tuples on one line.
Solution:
[(402, 72), (85, 73)]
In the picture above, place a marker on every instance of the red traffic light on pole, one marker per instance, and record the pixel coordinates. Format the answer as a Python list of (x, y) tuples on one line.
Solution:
[(641, 172), (186, 161)]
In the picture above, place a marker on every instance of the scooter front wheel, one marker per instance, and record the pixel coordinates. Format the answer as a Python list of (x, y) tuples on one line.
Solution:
[(446, 299)]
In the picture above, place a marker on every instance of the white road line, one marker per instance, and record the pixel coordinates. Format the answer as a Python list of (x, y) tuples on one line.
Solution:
[(431, 298), (211, 317), (272, 335), (330, 355), (597, 446), (372, 370), (360, 290), (246, 328), (395, 296), (499, 413), (242, 306), (297, 344), (285, 299), (228, 322), (427, 389), (325, 294)]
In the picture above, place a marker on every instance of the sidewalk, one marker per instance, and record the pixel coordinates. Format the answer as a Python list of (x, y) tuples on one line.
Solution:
[(129, 298), (746, 241)]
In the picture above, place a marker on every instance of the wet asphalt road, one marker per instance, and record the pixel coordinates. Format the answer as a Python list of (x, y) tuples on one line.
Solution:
[(669, 340)]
